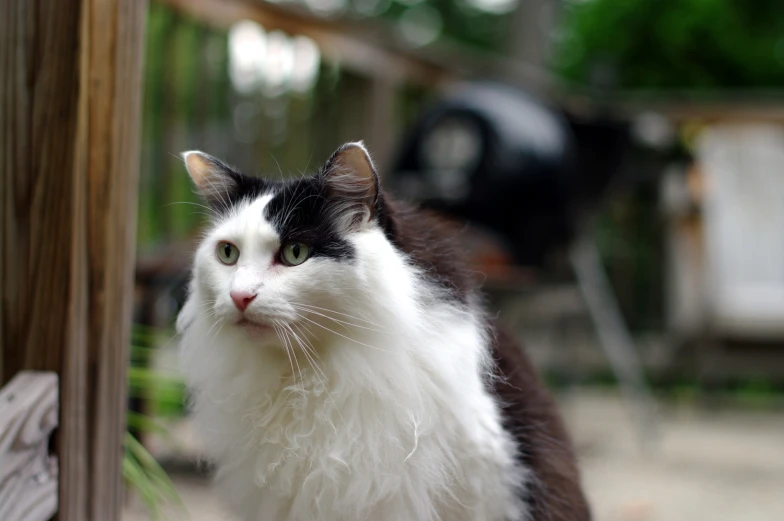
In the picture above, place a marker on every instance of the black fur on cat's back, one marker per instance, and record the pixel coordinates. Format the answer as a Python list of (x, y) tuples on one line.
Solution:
[(426, 240)]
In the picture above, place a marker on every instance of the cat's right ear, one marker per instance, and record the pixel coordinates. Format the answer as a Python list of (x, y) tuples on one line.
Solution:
[(214, 180)]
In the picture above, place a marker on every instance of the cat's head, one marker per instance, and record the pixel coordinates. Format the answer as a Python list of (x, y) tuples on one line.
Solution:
[(278, 251)]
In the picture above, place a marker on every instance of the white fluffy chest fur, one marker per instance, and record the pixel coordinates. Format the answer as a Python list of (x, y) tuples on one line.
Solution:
[(390, 422)]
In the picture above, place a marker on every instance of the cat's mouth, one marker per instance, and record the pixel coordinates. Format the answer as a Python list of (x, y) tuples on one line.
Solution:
[(253, 327)]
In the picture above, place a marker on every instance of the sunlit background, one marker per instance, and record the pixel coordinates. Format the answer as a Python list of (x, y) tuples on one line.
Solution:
[(677, 112)]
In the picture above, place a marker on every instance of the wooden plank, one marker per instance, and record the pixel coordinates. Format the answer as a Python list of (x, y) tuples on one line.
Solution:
[(70, 80), (359, 47), (40, 57), (530, 41), (677, 106), (28, 474), (112, 184), (380, 121), (38, 128)]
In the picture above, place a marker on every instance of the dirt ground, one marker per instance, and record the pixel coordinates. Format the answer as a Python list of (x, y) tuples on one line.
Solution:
[(707, 465)]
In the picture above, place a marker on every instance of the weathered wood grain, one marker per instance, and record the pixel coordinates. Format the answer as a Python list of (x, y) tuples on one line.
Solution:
[(116, 51), (28, 474), (70, 76)]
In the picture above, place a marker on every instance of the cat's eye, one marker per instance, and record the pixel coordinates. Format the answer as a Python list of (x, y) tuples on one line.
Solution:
[(294, 253), (227, 253)]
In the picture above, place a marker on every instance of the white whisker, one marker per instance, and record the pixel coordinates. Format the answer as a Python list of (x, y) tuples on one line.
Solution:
[(316, 371), (342, 336), (336, 313), (284, 341), (341, 322)]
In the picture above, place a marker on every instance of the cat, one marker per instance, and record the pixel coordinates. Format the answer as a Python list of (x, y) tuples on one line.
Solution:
[(342, 368)]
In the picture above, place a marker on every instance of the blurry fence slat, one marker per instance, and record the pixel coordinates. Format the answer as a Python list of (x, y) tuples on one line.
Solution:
[(28, 475)]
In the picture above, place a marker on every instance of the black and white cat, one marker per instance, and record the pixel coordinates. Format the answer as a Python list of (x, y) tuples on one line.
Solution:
[(342, 367)]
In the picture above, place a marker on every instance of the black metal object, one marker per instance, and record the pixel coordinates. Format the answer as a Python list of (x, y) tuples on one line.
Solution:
[(493, 155)]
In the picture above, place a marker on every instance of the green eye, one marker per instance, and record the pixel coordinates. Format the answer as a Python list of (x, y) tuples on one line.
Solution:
[(227, 253), (294, 253)]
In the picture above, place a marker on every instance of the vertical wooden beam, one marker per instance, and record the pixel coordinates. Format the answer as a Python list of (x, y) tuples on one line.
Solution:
[(38, 106), (116, 51), (367, 106), (529, 42), (69, 123)]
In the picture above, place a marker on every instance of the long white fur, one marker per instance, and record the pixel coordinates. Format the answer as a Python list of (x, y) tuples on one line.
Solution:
[(388, 418)]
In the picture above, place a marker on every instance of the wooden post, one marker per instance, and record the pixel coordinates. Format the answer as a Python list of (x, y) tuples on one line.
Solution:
[(529, 42), (69, 141)]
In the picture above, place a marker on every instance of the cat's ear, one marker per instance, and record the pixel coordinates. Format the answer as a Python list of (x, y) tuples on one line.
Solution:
[(352, 180), (214, 180)]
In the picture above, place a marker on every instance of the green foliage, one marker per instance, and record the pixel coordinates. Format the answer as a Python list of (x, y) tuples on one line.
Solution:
[(673, 43), (144, 475), (166, 396), (166, 393)]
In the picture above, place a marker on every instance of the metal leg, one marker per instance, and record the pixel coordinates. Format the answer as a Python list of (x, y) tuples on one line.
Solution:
[(614, 337)]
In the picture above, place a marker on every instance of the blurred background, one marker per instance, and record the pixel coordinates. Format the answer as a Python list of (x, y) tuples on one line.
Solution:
[(616, 169)]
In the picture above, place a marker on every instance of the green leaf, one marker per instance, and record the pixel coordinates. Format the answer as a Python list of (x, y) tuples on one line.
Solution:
[(138, 480), (142, 423), (152, 469)]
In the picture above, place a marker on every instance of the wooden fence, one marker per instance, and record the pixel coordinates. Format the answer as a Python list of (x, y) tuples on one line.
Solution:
[(28, 473)]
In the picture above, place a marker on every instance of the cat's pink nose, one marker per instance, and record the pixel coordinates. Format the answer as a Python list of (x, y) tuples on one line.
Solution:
[(242, 299)]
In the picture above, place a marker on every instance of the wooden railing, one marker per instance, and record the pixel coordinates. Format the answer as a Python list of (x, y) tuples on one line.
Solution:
[(28, 473)]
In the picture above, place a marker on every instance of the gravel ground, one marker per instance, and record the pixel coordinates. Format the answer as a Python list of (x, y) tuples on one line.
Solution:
[(712, 466)]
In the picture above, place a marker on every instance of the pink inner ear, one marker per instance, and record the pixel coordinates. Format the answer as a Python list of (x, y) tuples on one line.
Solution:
[(351, 175), (198, 167), (212, 178), (353, 159)]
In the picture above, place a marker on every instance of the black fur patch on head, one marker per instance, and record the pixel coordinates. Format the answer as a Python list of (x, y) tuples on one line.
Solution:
[(302, 211), (321, 210)]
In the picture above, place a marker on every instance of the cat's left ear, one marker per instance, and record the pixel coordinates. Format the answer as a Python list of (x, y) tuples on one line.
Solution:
[(352, 179)]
